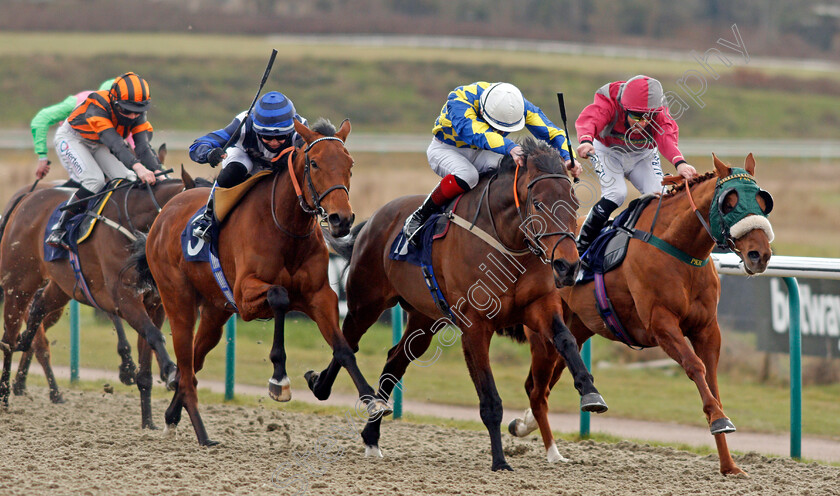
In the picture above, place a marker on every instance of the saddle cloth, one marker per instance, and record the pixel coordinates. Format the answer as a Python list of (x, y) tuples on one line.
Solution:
[(79, 227), (610, 247)]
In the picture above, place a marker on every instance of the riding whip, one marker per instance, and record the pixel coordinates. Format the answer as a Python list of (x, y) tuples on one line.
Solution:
[(566, 129), (259, 90)]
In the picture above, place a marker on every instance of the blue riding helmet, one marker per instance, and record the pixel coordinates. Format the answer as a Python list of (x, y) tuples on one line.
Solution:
[(274, 115)]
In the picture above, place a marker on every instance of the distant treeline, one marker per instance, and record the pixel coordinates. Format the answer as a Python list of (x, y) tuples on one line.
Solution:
[(776, 27)]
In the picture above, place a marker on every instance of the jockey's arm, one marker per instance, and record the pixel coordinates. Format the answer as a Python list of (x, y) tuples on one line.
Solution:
[(144, 151)]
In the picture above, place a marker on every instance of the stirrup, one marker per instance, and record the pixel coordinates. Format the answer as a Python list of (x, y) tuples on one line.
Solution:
[(56, 239), (202, 232)]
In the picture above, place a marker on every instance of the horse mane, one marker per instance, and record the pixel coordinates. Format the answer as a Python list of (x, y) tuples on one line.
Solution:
[(681, 186), (537, 152), (323, 126)]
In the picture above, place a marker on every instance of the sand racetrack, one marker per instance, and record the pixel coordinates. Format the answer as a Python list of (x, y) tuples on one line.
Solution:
[(93, 445)]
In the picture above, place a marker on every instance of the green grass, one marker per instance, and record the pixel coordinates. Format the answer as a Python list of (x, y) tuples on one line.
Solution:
[(659, 395), (385, 89)]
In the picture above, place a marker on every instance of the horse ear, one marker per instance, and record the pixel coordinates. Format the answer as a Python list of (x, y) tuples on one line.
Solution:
[(308, 134), (189, 183), (749, 164), (721, 168), (343, 130), (162, 153)]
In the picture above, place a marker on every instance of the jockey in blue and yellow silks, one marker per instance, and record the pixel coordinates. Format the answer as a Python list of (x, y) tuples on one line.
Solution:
[(470, 137)]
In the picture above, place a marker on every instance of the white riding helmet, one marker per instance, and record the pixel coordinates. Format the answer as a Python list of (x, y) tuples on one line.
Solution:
[(503, 107)]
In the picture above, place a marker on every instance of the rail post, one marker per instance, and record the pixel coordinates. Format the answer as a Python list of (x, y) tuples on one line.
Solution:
[(396, 335), (74, 341), (230, 357), (795, 370), (586, 354)]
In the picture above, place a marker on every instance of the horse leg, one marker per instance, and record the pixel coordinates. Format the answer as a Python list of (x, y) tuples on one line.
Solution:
[(413, 344), (137, 316), (538, 319), (279, 386), (355, 324), (323, 309), (144, 382), (127, 367), (546, 367), (476, 344), (706, 344), (19, 384), (209, 333), (41, 350)]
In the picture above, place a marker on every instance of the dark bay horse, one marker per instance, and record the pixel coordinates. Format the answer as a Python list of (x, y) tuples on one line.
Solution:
[(663, 301), (497, 281), (274, 258), (43, 288), (40, 345)]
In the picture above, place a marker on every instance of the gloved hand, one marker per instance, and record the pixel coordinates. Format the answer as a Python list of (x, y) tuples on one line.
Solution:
[(215, 157)]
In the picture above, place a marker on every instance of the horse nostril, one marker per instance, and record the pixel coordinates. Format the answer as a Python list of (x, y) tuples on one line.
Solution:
[(334, 219), (352, 219), (754, 256)]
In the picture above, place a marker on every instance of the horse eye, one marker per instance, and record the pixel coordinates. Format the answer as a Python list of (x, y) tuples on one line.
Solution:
[(538, 206), (314, 164)]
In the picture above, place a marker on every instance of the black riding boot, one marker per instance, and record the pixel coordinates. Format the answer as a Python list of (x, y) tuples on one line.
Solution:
[(59, 232), (203, 223), (598, 216), (416, 220)]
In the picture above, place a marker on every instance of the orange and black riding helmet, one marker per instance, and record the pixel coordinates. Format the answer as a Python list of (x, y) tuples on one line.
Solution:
[(130, 92)]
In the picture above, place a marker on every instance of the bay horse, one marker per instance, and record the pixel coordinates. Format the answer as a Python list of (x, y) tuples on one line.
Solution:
[(44, 288), (534, 240), (40, 344), (273, 255), (663, 301)]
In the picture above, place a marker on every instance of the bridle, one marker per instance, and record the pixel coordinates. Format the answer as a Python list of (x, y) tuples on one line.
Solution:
[(531, 247), (535, 246), (315, 197)]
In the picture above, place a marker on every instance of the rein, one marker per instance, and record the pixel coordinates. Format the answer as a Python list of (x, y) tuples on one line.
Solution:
[(730, 243), (484, 200)]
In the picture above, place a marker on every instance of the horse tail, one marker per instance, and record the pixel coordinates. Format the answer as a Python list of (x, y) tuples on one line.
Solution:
[(138, 261), (344, 246), (515, 332)]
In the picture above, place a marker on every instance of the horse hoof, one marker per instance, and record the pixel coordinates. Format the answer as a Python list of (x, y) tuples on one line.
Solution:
[(172, 380), (150, 425), (127, 375), (311, 379), (593, 402), (512, 426), (57, 398), (373, 451), (169, 430), (209, 443), (501, 466), (722, 426), (280, 390), (554, 456), (378, 409), (19, 388)]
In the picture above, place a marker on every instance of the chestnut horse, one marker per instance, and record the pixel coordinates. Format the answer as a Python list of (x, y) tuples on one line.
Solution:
[(274, 258), (661, 300), (44, 288), (492, 281)]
